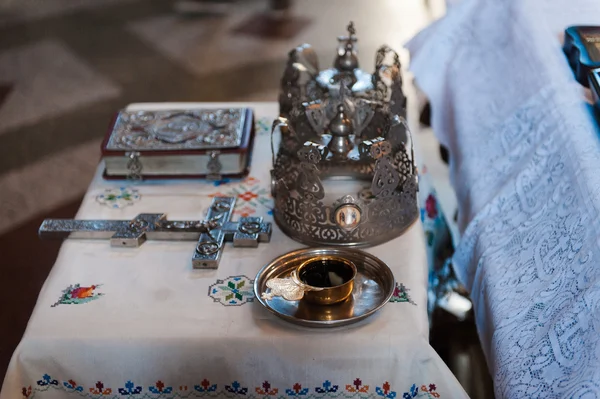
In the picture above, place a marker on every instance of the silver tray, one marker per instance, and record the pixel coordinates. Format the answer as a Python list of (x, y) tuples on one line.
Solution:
[(373, 287)]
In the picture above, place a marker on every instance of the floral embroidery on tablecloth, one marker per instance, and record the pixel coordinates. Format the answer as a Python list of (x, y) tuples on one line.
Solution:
[(75, 294), (252, 197), (327, 387), (160, 388), (385, 391), (206, 388), (130, 389), (232, 291), (100, 390), (236, 388), (266, 390), (424, 392), (227, 180), (26, 392), (296, 390), (47, 381), (357, 387), (71, 385), (263, 126), (401, 294), (118, 197)]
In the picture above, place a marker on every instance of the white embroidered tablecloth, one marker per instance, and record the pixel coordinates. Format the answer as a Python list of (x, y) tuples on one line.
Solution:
[(525, 163), (156, 328)]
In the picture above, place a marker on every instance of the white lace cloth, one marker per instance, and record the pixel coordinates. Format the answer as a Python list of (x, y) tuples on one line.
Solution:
[(525, 163)]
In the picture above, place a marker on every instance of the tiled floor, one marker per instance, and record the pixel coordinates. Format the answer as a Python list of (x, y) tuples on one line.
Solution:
[(67, 65), (72, 83)]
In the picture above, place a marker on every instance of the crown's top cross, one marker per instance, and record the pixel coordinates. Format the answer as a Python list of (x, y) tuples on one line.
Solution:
[(351, 38), (347, 59), (351, 30)]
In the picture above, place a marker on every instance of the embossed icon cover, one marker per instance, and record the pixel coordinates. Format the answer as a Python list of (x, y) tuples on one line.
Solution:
[(179, 143)]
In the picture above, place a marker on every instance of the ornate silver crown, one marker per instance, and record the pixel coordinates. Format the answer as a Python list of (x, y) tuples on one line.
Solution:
[(344, 173)]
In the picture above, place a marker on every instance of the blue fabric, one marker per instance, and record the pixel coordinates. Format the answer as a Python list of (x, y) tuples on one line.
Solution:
[(438, 242)]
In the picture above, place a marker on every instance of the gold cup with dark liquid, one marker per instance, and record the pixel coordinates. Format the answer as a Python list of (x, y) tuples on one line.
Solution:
[(328, 279)]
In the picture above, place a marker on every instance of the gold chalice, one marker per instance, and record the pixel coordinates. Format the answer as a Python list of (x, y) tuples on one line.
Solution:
[(321, 280)]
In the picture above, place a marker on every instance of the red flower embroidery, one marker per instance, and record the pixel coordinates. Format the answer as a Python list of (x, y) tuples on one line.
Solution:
[(386, 387), (83, 292), (266, 389), (72, 383), (247, 196), (160, 385), (26, 391), (297, 387), (431, 207), (99, 390), (205, 384), (357, 387)]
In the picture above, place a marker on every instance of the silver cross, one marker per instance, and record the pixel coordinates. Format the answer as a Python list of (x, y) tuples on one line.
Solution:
[(210, 233)]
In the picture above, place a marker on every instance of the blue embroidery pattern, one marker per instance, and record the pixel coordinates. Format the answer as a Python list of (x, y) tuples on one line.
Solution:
[(119, 197), (233, 291), (235, 389)]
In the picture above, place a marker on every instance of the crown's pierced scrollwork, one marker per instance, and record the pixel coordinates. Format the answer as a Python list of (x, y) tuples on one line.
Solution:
[(307, 209), (309, 184), (368, 98), (344, 172)]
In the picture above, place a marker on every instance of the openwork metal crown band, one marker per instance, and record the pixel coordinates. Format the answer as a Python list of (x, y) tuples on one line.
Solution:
[(343, 124), (384, 209)]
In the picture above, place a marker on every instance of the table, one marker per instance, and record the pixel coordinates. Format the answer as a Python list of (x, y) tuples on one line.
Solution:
[(524, 163), (156, 328)]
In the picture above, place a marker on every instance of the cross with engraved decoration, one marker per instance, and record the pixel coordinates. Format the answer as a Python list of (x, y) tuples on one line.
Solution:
[(210, 233)]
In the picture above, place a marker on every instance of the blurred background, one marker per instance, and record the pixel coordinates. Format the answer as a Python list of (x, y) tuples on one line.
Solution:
[(66, 66)]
